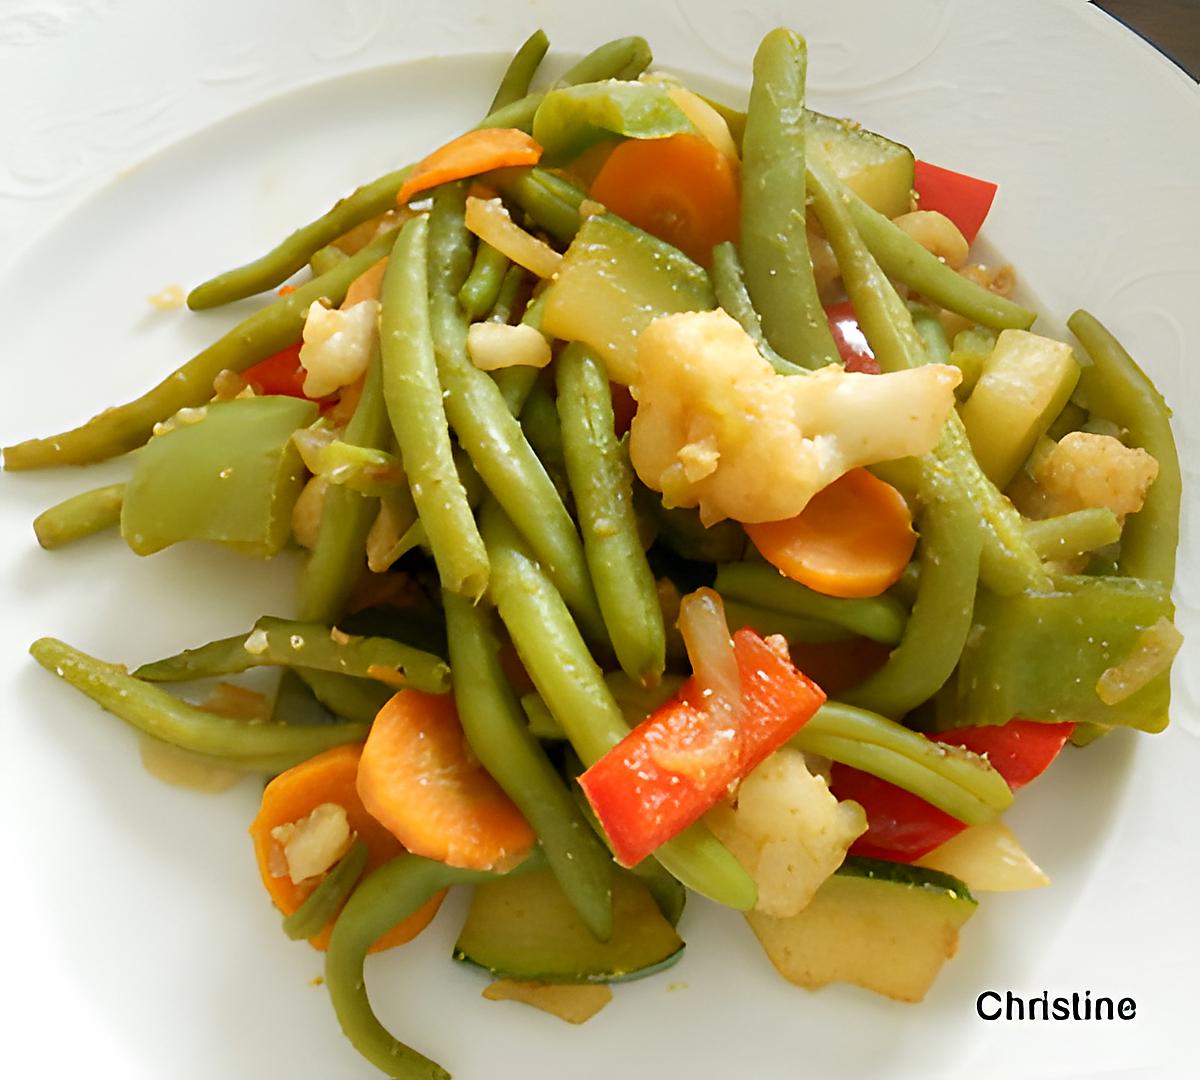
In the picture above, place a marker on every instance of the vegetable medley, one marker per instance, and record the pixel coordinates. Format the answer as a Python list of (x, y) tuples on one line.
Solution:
[(684, 510)]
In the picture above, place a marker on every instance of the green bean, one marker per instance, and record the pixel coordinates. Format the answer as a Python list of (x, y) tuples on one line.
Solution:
[(361, 469), (635, 701), (880, 618), (518, 382), (286, 643), (350, 698), (128, 426), (1069, 535), (729, 284), (765, 621), (79, 516), (885, 320), (384, 898), (499, 737), (932, 334), (1008, 563), (573, 687), (323, 903), (623, 58), (544, 203), (1115, 388), (416, 406), (901, 771), (602, 485), (774, 244), (162, 716), (489, 433), (321, 261), (974, 775), (540, 423), (480, 291), (506, 299), (521, 70), (903, 259), (951, 541), (612, 59), (905, 590), (336, 561)]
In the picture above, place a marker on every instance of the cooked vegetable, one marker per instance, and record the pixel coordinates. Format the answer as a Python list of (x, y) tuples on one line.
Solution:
[(874, 924), (963, 199), (576, 1003), (81, 515), (681, 189), (853, 539), (524, 928), (418, 779), (679, 762), (325, 780), (470, 154), (986, 858)]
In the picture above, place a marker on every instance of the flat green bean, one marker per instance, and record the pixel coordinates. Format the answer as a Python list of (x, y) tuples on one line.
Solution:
[(613, 59), (336, 560), (572, 685), (729, 284), (495, 727), (1069, 535), (81, 515), (880, 618), (416, 405), (489, 433), (601, 482), (951, 541), (521, 70), (126, 427), (324, 902), (384, 898), (774, 243), (903, 259), (286, 643), (1116, 389), (162, 716)]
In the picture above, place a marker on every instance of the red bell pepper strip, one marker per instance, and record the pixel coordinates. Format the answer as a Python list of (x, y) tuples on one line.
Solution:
[(680, 761), (902, 826), (963, 199), (851, 342), (282, 374)]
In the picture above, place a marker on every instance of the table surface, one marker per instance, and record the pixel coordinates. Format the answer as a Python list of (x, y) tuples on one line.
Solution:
[(1172, 26)]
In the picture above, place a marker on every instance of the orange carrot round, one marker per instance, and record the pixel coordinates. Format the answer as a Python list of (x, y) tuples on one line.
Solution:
[(327, 778), (419, 778), (475, 152), (681, 188), (854, 538)]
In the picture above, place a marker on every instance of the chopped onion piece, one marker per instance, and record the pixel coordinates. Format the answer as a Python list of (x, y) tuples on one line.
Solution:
[(710, 650), (1150, 656), (489, 220)]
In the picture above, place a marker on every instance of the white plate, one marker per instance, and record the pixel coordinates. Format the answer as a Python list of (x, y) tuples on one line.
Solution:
[(137, 939)]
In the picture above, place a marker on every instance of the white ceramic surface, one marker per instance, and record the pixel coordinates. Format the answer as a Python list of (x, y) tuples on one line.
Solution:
[(144, 144)]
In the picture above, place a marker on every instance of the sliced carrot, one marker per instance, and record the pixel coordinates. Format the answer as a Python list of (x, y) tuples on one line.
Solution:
[(327, 778), (469, 155), (420, 779), (854, 538), (681, 188)]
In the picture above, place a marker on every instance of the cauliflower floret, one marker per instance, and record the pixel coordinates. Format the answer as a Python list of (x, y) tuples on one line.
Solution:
[(717, 428), (1085, 470), (337, 345), (787, 830)]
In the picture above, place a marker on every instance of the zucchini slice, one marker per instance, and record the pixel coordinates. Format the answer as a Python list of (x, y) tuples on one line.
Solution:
[(525, 928), (876, 169), (884, 926)]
